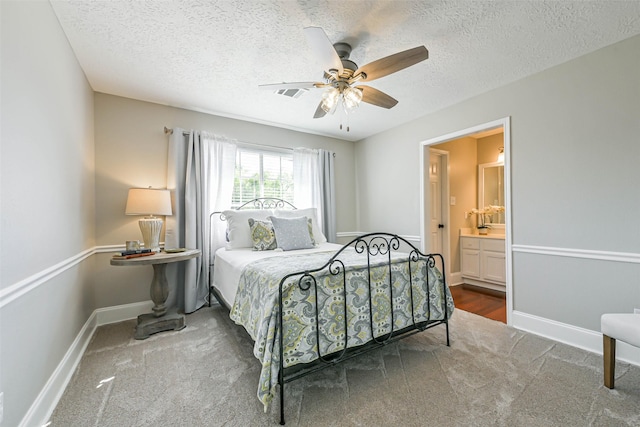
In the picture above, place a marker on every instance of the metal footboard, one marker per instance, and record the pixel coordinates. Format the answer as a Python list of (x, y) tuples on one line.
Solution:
[(380, 245)]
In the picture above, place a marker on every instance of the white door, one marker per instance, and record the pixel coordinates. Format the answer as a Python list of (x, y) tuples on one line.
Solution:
[(436, 226)]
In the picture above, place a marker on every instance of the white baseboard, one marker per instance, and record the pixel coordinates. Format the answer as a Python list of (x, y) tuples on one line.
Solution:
[(44, 405), (572, 335), (118, 313), (46, 402), (454, 279)]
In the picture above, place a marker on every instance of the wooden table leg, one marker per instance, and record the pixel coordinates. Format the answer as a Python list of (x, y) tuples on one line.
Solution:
[(159, 289), (609, 358), (161, 319)]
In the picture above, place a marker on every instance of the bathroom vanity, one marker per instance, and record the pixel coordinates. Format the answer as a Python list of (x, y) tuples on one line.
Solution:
[(482, 260)]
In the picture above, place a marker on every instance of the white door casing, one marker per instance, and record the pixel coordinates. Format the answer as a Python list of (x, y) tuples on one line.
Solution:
[(425, 199), (435, 206)]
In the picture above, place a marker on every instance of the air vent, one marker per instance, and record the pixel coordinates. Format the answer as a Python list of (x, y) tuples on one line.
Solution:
[(292, 93)]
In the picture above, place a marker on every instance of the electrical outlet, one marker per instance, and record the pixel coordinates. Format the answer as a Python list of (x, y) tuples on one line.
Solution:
[(636, 311), (1, 407)]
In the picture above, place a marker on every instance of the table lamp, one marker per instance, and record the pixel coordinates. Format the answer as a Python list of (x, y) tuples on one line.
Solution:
[(150, 202)]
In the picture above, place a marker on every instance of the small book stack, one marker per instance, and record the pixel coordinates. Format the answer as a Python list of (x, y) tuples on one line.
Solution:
[(134, 254)]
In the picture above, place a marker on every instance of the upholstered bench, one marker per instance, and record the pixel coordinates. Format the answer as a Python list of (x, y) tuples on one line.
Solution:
[(617, 326)]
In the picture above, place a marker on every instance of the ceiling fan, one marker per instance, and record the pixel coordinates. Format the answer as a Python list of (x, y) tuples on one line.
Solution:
[(342, 77)]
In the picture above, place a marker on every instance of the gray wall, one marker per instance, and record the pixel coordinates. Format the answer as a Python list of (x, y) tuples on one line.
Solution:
[(47, 182), (574, 158), (131, 151)]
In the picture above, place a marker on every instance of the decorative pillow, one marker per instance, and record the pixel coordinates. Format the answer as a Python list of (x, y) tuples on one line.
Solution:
[(292, 233), (309, 213), (310, 225), (262, 235), (238, 226)]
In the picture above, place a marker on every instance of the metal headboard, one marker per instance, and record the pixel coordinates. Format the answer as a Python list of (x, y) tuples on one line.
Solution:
[(266, 203)]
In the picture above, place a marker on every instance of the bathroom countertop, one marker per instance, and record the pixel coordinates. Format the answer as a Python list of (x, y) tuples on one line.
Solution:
[(483, 236)]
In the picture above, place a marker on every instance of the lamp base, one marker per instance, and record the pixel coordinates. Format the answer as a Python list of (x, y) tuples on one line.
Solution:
[(150, 228)]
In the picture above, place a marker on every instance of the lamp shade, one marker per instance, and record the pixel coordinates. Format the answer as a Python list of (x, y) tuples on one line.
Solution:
[(148, 201)]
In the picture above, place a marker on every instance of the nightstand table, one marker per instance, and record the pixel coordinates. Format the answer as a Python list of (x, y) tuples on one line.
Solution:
[(162, 319)]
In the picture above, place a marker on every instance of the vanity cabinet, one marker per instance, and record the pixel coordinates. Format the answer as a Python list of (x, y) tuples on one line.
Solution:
[(482, 261)]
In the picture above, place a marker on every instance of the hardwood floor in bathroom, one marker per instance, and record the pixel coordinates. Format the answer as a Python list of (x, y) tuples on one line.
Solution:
[(480, 301)]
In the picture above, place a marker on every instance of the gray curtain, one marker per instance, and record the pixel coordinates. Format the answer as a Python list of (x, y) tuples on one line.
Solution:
[(313, 184), (200, 170), (328, 192)]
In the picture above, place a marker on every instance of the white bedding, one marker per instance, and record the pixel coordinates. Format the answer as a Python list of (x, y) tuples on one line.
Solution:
[(229, 264)]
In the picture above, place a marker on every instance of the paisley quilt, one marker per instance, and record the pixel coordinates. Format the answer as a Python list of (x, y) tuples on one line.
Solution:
[(391, 307)]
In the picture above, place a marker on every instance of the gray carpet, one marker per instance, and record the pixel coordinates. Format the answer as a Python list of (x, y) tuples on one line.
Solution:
[(206, 375)]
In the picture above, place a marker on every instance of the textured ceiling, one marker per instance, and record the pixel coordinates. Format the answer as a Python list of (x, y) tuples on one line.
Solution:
[(210, 56)]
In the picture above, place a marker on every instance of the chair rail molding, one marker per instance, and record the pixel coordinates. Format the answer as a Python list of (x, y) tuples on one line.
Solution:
[(26, 285), (628, 257)]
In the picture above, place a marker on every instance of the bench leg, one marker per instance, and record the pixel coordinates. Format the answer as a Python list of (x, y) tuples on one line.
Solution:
[(609, 357)]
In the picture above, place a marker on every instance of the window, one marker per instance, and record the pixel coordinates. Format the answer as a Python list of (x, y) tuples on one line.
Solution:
[(262, 174)]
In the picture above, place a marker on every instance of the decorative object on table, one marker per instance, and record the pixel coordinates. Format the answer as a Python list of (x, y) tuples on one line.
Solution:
[(484, 222), (134, 254), (135, 251), (132, 245), (149, 201), (174, 250)]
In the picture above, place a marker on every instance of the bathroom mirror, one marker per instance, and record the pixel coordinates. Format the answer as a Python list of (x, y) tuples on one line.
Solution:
[(491, 191)]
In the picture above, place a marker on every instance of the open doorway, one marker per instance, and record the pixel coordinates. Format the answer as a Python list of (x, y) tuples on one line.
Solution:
[(480, 262)]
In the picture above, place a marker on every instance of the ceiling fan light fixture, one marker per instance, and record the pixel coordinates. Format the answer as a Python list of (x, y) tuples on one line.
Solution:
[(330, 99), (351, 97)]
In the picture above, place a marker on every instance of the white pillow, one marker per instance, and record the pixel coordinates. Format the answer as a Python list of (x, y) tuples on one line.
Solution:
[(309, 213), (239, 231), (292, 233)]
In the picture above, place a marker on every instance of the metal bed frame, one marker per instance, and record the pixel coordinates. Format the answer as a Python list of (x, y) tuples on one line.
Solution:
[(369, 245)]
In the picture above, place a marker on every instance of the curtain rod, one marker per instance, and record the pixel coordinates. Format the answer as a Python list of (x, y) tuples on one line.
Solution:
[(168, 131)]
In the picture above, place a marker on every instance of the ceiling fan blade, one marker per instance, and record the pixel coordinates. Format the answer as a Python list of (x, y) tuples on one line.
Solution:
[(283, 85), (376, 97), (319, 112), (392, 63), (323, 49)]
